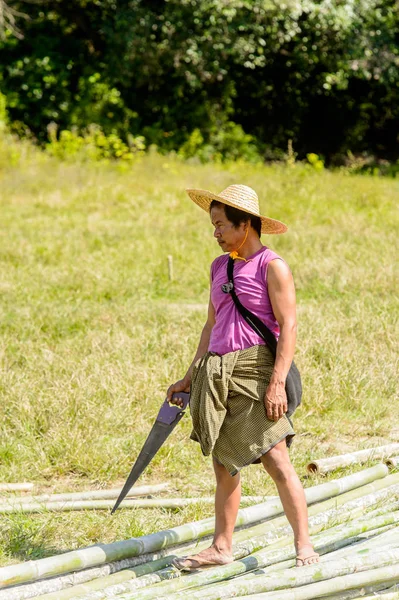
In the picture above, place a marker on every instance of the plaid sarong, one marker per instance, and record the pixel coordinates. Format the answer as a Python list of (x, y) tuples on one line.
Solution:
[(227, 408)]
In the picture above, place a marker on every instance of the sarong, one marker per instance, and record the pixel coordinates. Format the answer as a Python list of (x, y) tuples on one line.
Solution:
[(227, 407)]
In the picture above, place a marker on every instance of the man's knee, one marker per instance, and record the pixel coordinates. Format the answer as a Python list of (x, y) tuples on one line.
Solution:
[(277, 463), (222, 473)]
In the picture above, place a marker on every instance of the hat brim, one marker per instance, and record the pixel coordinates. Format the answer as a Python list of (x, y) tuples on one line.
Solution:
[(203, 198)]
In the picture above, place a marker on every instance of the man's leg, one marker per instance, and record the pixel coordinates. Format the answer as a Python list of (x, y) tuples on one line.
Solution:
[(277, 463), (227, 502)]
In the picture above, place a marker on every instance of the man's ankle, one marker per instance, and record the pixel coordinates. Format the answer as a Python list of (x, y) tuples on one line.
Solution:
[(223, 547)]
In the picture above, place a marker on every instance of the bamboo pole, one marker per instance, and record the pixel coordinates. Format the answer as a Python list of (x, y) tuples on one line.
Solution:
[(388, 574), (389, 595), (87, 495), (325, 465), (106, 582), (100, 554), (285, 585), (392, 462), (384, 537), (321, 492), (114, 583), (17, 506), (16, 487), (112, 587), (373, 539), (318, 522), (333, 508), (59, 584), (335, 538), (352, 502), (378, 590)]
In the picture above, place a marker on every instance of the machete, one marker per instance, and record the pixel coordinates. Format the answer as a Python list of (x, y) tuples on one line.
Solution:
[(167, 419)]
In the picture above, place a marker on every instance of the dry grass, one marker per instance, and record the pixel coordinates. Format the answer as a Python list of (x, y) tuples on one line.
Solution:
[(93, 332)]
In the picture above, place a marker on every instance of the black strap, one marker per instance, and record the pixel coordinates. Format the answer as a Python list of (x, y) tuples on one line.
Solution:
[(293, 384), (257, 325)]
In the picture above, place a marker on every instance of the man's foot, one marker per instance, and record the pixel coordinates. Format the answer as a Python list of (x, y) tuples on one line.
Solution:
[(306, 556), (211, 557)]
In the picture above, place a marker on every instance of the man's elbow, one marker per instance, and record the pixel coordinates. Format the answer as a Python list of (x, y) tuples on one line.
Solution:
[(290, 327)]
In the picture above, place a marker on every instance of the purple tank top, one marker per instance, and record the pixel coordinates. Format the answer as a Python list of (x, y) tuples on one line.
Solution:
[(231, 332)]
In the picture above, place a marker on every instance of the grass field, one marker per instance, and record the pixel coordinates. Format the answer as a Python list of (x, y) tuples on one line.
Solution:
[(93, 331)]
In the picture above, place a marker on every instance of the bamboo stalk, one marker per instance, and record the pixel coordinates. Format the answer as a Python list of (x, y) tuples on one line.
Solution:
[(287, 581), (351, 502), (16, 487), (384, 537), (258, 559), (88, 495), (388, 595), (318, 523), (100, 554), (57, 584), (107, 583), (373, 539), (325, 465), (333, 541), (388, 574), (378, 590), (114, 583), (392, 462), (13, 506)]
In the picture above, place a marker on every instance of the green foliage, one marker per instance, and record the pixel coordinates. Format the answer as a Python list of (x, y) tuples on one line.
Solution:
[(366, 165), (230, 142), (323, 73), (315, 161), (93, 145)]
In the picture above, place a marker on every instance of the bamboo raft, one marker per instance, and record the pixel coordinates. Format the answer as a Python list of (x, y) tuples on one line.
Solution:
[(354, 523)]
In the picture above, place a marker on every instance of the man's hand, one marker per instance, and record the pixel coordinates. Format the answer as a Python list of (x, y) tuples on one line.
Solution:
[(183, 385), (275, 400)]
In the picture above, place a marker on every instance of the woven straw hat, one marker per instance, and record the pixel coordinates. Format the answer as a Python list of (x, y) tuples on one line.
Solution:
[(241, 197)]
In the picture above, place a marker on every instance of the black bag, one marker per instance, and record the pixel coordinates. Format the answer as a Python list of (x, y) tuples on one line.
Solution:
[(293, 384)]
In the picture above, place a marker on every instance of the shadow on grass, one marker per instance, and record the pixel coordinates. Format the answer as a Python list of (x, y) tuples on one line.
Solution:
[(24, 538)]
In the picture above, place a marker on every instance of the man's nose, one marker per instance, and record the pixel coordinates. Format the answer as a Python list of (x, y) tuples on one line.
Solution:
[(216, 233)]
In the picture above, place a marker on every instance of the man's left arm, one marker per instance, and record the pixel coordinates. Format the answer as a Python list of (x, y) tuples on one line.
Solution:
[(282, 297)]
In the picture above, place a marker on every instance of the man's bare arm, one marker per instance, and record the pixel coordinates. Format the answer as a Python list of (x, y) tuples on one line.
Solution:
[(183, 385), (282, 296)]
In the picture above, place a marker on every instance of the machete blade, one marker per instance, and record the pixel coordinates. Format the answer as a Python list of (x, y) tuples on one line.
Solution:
[(167, 419)]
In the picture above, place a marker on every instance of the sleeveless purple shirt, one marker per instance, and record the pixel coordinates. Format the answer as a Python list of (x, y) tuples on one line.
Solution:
[(231, 332)]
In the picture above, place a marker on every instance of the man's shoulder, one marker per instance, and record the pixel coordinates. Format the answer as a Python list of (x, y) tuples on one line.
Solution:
[(220, 260)]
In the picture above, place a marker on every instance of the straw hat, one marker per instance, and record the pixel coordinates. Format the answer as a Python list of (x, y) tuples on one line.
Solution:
[(241, 197)]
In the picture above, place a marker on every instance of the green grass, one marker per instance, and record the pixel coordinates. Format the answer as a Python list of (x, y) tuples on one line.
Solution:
[(93, 332)]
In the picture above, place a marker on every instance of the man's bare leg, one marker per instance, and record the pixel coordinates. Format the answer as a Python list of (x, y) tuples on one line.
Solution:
[(227, 502), (278, 465)]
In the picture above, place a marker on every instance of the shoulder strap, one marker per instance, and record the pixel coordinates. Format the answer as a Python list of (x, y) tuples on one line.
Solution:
[(293, 384), (257, 325)]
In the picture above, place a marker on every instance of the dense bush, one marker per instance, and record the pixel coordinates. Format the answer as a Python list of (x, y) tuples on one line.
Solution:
[(206, 74), (93, 145)]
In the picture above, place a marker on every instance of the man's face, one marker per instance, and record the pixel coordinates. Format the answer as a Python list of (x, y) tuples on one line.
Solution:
[(227, 236)]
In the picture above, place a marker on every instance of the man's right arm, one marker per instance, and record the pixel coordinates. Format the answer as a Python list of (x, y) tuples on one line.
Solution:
[(183, 385)]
